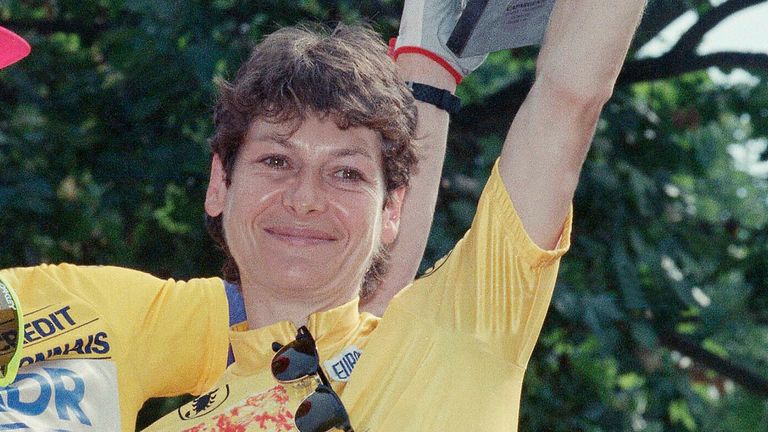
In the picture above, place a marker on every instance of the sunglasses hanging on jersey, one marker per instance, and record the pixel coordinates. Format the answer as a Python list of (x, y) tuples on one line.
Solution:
[(322, 410)]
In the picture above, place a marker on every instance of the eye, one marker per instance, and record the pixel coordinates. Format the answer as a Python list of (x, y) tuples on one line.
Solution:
[(348, 174), (275, 161)]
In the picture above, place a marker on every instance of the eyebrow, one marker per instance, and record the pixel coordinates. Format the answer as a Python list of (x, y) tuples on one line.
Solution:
[(355, 150)]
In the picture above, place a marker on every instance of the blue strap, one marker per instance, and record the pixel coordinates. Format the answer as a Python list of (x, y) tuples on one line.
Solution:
[(236, 304), (236, 311)]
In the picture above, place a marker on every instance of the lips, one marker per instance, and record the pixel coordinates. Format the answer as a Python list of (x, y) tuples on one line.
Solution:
[(300, 236)]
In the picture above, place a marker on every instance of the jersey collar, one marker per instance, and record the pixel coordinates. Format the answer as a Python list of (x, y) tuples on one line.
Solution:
[(253, 348)]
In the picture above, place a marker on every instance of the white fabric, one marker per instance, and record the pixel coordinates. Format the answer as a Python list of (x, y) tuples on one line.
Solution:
[(428, 24), (71, 395)]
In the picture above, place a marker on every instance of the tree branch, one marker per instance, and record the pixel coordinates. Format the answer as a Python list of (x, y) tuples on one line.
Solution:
[(481, 118), (669, 66), (658, 16), (679, 60), (746, 378), (692, 38)]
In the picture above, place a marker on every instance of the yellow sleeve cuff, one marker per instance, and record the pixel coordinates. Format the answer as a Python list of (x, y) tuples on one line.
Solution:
[(496, 194)]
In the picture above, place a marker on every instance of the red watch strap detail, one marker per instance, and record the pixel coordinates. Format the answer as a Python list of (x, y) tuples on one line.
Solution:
[(391, 48), (430, 55)]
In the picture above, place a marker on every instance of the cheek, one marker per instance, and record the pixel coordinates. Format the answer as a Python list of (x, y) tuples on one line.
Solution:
[(251, 199), (361, 202), (243, 206), (359, 211)]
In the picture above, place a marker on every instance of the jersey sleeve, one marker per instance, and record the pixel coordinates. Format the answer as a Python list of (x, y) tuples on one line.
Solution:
[(495, 285), (169, 336)]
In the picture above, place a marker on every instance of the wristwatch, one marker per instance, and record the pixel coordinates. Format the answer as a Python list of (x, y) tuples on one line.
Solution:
[(438, 97)]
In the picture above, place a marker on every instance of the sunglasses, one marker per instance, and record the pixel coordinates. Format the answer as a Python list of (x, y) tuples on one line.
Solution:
[(10, 334), (322, 410)]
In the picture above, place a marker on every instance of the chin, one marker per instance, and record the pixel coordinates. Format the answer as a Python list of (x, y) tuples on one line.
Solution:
[(296, 276), (298, 279)]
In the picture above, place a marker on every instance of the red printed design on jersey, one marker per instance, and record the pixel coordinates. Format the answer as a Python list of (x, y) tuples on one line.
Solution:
[(267, 411)]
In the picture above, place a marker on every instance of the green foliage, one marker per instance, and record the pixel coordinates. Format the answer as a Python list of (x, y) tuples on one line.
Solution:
[(103, 159)]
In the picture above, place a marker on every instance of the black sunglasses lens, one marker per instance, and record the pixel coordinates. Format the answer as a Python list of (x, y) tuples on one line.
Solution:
[(321, 411), (296, 360)]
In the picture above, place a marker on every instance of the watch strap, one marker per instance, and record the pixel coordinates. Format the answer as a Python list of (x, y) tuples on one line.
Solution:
[(438, 97)]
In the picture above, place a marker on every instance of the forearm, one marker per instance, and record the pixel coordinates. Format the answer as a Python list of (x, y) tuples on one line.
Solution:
[(419, 203)]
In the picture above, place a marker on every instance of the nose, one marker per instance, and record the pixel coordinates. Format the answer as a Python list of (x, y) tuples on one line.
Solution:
[(304, 193)]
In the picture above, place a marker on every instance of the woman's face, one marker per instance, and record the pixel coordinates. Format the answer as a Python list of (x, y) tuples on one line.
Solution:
[(304, 213)]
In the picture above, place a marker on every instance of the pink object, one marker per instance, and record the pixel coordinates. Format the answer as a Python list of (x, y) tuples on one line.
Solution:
[(12, 47), (392, 52)]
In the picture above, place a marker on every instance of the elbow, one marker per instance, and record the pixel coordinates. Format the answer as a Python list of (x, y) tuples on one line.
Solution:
[(575, 108), (576, 95)]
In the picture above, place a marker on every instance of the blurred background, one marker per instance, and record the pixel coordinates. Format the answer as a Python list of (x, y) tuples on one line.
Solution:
[(660, 318)]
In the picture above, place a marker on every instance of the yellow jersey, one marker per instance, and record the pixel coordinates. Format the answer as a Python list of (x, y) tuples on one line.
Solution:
[(100, 341), (449, 354)]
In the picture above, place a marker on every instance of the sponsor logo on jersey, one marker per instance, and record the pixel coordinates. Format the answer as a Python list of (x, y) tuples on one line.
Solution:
[(94, 344), (54, 322), (204, 404), (69, 395), (340, 367), (57, 321), (267, 411)]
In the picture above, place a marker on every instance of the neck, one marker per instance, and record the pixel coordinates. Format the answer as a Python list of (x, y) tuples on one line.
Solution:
[(265, 307)]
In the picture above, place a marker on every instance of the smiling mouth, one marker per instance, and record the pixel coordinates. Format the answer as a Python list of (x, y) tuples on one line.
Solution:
[(300, 236)]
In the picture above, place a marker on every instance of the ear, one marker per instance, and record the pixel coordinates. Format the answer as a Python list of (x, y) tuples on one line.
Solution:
[(216, 194), (391, 217)]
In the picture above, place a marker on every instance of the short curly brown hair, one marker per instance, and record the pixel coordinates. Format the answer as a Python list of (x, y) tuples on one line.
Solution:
[(344, 73)]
